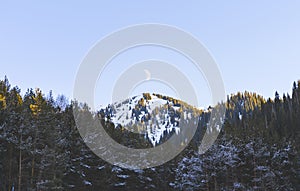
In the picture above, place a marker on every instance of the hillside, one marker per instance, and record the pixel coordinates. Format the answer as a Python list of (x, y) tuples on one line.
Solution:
[(153, 115), (258, 147)]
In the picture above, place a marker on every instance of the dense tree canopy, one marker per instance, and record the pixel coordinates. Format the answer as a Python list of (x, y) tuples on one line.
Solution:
[(41, 149)]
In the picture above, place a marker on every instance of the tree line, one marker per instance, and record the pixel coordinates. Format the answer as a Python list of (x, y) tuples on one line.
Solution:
[(41, 148)]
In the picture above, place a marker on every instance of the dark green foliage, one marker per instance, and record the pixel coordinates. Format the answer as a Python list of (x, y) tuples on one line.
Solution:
[(41, 148)]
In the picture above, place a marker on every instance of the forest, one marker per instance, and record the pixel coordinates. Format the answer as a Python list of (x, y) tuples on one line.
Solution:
[(258, 147)]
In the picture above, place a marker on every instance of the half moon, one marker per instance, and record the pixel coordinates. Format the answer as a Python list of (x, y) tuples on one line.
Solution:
[(148, 74)]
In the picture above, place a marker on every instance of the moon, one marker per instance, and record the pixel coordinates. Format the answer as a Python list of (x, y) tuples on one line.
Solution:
[(148, 74)]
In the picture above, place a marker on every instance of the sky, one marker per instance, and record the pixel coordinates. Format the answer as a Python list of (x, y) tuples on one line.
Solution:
[(256, 44)]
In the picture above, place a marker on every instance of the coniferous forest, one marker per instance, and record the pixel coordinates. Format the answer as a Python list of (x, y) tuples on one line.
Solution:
[(41, 149)]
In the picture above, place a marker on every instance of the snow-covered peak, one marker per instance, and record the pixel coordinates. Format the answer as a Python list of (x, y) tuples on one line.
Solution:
[(153, 115)]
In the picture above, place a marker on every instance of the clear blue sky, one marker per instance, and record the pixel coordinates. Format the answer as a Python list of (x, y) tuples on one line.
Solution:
[(256, 43)]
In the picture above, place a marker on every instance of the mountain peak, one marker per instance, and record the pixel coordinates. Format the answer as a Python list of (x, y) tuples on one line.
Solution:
[(153, 115)]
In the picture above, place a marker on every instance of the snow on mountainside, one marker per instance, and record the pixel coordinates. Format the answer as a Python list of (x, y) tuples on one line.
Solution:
[(153, 115)]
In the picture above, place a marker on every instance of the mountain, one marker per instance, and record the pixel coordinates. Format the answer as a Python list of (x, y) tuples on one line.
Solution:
[(41, 147), (152, 115)]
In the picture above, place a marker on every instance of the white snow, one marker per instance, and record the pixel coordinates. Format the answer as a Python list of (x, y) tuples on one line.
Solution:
[(86, 166), (123, 176), (87, 182), (240, 116), (153, 129), (120, 184)]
